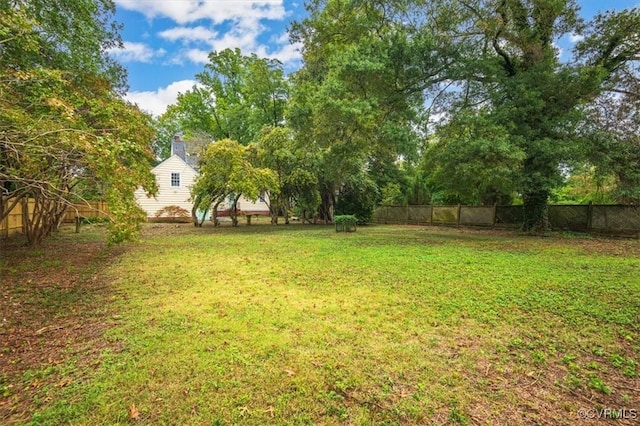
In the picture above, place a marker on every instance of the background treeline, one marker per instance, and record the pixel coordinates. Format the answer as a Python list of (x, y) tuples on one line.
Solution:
[(396, 102), (424, 102)]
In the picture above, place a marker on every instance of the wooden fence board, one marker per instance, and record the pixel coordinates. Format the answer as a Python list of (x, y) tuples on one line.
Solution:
[(13, 223)]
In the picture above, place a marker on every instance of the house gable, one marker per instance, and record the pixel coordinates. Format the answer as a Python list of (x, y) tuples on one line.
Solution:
[(174, 178)]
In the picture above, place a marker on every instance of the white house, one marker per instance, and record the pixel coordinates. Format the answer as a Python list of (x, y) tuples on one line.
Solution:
[(174, 176)]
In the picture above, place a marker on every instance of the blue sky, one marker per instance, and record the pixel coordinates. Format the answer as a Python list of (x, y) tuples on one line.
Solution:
[(166, 42)]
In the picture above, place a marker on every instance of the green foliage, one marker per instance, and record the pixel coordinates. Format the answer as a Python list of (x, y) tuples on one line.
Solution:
[(297, 182), (226, 169), (473, 159), (236, 97), (345, 222), (64, 127), (358, 196), (392, 195), (583, 187), (356, 101)]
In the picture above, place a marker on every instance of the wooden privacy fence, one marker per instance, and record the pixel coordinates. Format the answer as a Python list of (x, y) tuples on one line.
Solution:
[(13, 223), (597, 218)]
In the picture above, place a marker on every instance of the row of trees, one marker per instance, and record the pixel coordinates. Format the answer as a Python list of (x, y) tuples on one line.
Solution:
[(424, 101), (397, 101), (65, 131)]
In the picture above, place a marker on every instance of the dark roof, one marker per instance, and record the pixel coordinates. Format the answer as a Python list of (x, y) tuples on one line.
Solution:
[(179, 148)]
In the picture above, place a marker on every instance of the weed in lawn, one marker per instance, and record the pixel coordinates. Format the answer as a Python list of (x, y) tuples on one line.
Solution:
[(456, 417), (597, 383), (627, 365)]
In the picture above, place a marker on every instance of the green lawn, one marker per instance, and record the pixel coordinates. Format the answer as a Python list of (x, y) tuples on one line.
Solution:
[(388, 325)]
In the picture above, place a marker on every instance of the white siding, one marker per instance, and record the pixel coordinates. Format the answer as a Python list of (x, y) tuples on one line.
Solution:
[(247, 205), (168, 195)]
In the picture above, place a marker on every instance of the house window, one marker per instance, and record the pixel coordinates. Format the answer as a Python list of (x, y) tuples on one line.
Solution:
[(175, 180)]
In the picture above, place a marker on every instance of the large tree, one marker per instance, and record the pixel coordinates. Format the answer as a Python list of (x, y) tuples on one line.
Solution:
[(370, 63), (297, 181), (236, 96), (226, 172), (472, 160), (611, 127), (62, 119), (511, 65), (358, 100)]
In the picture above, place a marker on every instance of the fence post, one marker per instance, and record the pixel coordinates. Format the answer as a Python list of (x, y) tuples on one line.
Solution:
[(495, 214), (431, 215), (459, 209), (590, 217), (406, 217), (4, 227)]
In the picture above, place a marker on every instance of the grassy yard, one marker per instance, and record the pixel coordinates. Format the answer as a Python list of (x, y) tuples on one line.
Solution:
[(302, 325)]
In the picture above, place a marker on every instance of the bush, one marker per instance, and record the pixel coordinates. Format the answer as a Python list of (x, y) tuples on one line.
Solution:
[(173, 214), (345, 223)]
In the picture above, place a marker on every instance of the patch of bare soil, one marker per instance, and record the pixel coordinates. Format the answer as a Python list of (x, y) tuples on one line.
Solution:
[(54, 308)]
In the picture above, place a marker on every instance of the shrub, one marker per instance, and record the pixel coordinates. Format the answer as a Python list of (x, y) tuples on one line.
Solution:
[(173, 212), (345, 223)]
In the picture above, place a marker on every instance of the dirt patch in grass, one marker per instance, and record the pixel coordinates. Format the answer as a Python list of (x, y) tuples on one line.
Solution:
[(54, 308)]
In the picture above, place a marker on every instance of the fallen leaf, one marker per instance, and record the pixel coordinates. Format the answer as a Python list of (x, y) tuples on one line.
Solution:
[(65, 382), (134, 413)]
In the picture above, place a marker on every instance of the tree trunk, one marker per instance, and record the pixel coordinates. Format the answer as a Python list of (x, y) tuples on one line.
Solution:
[(214, 215), (273, 211), (233, 212), (326, 206), (194, 212), (536, 218), (40, 223), (286, 212)]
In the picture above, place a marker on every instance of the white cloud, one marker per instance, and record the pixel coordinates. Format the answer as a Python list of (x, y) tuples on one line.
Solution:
[(197, 56), (156, 102), (187, 11), (187, 34), (242, 36), (287, 54), (574, 38), (135, 52), (243, 17)]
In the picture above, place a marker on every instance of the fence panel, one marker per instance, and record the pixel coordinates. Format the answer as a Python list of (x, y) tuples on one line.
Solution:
[(569, 217), (93, 209), (615, 218), (621, 219), (510, 216), (396, 215), (13, 223), (419, 215), (479, 216), (445, 215)]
